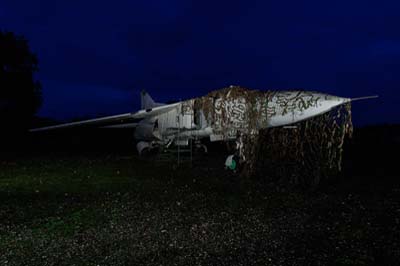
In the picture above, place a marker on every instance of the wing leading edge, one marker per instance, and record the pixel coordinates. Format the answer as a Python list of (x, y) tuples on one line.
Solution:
[(114, 121)]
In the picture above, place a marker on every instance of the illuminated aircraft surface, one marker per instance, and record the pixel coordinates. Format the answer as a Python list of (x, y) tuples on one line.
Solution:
[(219, 116)]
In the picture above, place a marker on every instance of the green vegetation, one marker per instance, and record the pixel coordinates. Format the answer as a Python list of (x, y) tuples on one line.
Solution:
[(95, 209)]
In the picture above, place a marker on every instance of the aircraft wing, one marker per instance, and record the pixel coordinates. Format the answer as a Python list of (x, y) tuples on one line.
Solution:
[(127, 120)]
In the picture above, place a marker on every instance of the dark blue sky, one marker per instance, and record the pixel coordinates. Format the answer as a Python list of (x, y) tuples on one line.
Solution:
[(96, 56)]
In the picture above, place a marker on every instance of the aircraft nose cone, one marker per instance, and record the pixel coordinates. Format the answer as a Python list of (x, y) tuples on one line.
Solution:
[(331, 100), (304, 106)]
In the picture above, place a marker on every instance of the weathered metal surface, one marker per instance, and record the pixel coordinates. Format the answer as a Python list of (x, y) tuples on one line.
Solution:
[(235, 109), (250, 117)]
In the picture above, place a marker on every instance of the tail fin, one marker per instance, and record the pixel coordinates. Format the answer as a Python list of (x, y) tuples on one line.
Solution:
[(147, 102)]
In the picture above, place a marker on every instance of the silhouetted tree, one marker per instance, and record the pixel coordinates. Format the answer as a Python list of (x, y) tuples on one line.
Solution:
[(20, 94)]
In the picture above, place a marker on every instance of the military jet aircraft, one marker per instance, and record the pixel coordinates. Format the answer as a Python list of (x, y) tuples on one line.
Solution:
[(219, 116)]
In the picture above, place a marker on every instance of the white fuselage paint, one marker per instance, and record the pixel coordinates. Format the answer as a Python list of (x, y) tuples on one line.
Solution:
[(281, 108), (318, 104)]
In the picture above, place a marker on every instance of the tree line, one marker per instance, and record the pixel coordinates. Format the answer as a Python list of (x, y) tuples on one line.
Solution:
[(20, 93)]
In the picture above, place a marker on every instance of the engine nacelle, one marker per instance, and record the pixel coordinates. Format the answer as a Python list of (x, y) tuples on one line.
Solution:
[(143, 147), (147, 131)]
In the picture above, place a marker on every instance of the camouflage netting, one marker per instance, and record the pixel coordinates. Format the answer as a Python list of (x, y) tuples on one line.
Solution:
[(218, 114), (305, 155), (299, 156)]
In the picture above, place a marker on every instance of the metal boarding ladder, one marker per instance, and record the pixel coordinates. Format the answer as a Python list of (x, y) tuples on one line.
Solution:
[(176, 153), (184, 151)]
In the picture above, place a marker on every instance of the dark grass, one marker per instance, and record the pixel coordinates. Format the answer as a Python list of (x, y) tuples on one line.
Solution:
[(102, 208)]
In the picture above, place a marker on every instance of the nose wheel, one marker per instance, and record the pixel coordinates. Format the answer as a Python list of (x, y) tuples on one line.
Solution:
[(201, 148)]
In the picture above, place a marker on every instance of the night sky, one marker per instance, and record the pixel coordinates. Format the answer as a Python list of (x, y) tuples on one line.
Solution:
[(96, 56)]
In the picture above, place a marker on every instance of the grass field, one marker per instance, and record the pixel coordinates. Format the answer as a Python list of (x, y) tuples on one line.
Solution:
[(101, 209)]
